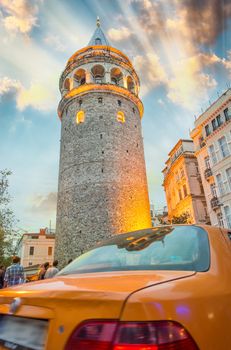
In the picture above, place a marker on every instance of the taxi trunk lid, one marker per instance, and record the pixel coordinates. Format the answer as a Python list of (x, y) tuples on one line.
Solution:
[(102, 294), (66, 301)]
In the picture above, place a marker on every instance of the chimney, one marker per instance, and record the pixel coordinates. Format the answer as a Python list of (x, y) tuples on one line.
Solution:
[(42, 231)]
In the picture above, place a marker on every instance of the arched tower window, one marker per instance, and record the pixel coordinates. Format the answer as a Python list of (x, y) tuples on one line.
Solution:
[(120, 117), (98, 41), (67, 84), (80, 76), (80, 117), (98, 73), (130, 84), (116, 76)]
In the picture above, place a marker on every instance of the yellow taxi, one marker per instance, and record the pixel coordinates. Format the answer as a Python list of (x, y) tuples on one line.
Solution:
[(164, 288)]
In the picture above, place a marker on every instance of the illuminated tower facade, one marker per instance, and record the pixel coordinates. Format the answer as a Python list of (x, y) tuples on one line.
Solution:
[(102, 177)]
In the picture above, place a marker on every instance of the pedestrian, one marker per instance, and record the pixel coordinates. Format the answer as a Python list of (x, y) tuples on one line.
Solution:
[(2, 274), (14, 273), (52, 271), (43, 270)]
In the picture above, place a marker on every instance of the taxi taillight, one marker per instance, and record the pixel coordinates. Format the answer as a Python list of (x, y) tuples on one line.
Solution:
[(114, 335)]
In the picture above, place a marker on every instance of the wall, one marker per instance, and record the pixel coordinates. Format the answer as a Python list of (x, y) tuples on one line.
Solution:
[(102, 180)]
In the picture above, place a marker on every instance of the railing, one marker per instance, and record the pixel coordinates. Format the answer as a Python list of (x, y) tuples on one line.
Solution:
[(215, 204), (208, 173)]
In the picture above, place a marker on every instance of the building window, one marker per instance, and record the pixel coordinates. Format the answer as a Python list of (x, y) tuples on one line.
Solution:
[(98, 41), (30, 263), (228, 215), (228, 174), (114, 81), (80, 102), (220, 185), (207, 130), (219, 120), (207, 164), (185, 190), (213, 154), (201, 142), (100, 100), (80, 117), (98, 79), (227, 115), (31, 251), (50, 250), (181, 172), (220, 220), (177, 178), (213, 190), (223, 147), (120, 117), (119, 102), (101, 136), (67, 84), (214, 124), (180, 194)]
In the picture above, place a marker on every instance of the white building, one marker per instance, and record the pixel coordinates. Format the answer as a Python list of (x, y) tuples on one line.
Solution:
[(212, 140), (36, 248)]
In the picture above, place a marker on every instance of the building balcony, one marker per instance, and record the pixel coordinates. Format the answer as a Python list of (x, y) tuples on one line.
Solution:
[(208, 173), (215, 204)]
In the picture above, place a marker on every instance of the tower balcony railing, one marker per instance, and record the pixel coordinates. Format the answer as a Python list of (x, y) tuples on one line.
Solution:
[(215, 203), (208, 173)]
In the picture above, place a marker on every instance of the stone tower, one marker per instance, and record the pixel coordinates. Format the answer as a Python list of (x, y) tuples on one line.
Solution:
[(102, 177)]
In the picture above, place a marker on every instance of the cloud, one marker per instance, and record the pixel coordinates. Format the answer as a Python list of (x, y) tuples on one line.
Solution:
[(212, 15), (190, 84), (38, 96), (171, 34), (150, 71), (201, 21), (55, 42), (189, 94), (19, 15), (9, 86), (44, 203), (119, 34), (151, 16)]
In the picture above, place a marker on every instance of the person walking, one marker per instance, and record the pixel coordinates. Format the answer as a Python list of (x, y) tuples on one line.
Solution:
[(14, 273), (43, 270), (2, 274), (52, 271)]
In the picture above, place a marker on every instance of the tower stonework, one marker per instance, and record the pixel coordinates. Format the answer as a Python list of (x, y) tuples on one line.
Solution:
[(102, 177)]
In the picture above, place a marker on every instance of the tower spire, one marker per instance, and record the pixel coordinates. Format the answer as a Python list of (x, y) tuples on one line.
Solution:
[(98, 37)]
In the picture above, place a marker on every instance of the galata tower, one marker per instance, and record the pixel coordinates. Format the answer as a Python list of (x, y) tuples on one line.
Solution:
[(102, 178)]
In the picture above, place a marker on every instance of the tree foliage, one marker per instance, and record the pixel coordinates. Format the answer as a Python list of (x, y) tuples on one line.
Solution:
[(184, 218), (8, 236)]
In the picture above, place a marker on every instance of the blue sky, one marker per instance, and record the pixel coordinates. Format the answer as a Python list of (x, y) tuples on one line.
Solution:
[(181, 50)]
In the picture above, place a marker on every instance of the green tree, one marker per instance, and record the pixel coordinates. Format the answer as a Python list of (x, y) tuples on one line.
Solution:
[(8, 236), (184, 218)]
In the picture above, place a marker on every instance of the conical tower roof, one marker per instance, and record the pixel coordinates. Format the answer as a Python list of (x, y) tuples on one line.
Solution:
[(98, 37)]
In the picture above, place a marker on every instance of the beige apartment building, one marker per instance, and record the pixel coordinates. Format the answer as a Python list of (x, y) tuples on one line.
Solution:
[(212, 140), (36, 248), (182, 184)]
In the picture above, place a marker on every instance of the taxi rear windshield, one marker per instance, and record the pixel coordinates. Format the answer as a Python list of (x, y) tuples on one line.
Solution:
[(169, 248)]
